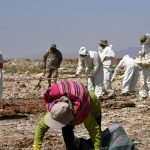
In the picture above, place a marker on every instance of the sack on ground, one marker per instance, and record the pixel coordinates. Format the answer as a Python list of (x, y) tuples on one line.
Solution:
[(113, 138)]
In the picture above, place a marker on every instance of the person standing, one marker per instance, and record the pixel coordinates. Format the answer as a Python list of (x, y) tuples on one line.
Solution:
[(130, 75), (1, 74), (107, 56), (90, 61), (52, 59), (144, 90), (69, 103)]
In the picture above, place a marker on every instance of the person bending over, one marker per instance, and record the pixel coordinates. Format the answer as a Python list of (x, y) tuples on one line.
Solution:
[(69, 103)]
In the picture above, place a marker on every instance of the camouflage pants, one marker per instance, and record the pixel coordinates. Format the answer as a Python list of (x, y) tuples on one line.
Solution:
[(51, 73)]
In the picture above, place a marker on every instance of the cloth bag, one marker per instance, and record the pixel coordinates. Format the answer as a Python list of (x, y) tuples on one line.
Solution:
[(113, 138)]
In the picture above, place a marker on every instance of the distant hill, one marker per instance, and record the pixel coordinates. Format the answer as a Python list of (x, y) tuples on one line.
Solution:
[(132, 51), (65, 55)]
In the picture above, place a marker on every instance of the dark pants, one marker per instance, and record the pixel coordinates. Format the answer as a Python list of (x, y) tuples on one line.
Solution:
[(51, 73), (68, 134)]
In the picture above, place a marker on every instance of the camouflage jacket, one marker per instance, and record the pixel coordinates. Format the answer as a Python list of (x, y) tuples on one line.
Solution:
[(52, 59)]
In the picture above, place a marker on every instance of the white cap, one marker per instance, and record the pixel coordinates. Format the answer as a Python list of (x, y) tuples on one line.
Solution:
[(83, 51), (59, 116)]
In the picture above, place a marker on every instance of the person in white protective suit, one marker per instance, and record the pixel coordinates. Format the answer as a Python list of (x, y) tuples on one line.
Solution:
[(1, 74), (107, 56), (90, 61), (131, 74), (144, 90)]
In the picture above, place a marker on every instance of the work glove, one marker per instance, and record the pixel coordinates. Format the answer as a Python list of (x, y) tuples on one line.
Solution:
[(141, 64), (145, 62), (36, 147)]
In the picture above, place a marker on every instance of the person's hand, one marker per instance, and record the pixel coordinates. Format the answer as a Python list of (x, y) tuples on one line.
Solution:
[(76, 75), (145, 62), (36, 147), (113, 79)]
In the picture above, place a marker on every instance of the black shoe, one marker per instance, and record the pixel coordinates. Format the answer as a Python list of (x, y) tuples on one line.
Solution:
[(112, 95), (125, 94), (143, 98), (100, 97)]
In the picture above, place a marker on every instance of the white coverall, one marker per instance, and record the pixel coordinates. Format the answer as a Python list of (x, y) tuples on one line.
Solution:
[(130, 75), (94, 71), (107, 56), (144, 90), (1, 75)]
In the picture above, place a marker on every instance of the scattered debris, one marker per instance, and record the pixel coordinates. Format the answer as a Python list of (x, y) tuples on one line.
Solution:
[(22, 106)]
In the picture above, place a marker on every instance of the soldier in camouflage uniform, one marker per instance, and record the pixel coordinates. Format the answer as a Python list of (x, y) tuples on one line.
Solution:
[(52, 60)]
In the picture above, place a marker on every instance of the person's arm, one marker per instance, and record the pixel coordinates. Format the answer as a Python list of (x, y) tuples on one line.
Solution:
[(60, 56), (110, 52), (117, 69), (94, 131), (1, 61), (45, 58), (80, 66), (96, 63), (40, 131)]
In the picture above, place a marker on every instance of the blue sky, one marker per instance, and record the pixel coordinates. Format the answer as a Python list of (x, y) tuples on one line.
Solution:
[(28, 27)]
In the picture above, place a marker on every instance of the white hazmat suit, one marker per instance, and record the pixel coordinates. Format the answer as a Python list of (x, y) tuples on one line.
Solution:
[(130, 75), (90, 61), (144, 90), (107, 56)]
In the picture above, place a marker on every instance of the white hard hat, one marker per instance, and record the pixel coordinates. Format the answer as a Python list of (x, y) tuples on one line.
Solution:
[(83, 51)]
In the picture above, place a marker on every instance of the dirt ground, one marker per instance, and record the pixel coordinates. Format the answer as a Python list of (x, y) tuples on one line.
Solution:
[(22, 106)]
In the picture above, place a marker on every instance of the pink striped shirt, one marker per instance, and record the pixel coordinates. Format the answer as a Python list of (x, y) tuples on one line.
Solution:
[(75, 91)]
